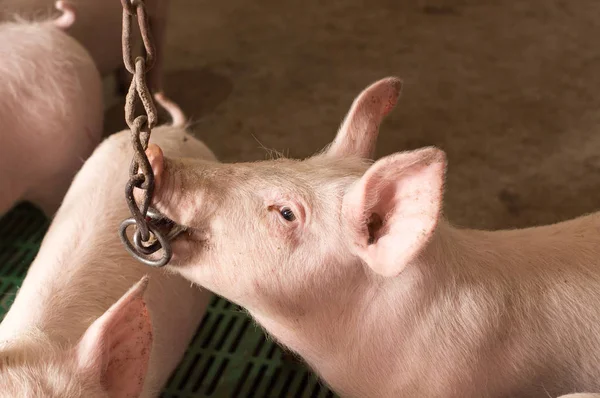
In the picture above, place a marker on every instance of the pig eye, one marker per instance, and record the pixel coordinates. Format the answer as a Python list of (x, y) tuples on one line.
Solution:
[(287, 214)]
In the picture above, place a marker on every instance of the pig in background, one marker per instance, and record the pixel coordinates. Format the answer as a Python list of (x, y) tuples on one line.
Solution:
[(98, 29), (51, 110), (350, 263), (59, 338)]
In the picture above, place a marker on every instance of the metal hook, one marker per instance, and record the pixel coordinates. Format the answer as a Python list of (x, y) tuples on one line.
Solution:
[(141, 252)]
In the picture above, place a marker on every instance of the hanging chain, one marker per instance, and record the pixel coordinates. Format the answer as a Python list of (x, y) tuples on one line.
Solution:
[(148, 238)]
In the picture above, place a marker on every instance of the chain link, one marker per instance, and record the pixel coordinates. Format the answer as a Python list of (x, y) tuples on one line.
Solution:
[(141, 175)]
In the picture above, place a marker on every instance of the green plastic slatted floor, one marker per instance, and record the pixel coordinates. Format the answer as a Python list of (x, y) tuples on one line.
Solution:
[(228, 357)]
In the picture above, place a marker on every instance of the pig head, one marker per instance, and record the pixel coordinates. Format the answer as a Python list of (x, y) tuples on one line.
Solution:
[(304, 244), (305, 221)]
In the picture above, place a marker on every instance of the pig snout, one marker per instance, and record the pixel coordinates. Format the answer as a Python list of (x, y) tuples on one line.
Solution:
[(179, 186), (157, 162), (67, 18)]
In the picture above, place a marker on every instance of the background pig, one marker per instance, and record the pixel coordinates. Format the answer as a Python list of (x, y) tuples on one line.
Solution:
[(51, 111), (98, 29), (56, 342), (350, 263)]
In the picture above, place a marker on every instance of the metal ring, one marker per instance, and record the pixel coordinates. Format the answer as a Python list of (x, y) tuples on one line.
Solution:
[(141, 255), (174, 232), (138, 243)]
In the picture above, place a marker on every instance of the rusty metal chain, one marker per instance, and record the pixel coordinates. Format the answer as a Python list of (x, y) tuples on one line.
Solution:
[(148, 237)]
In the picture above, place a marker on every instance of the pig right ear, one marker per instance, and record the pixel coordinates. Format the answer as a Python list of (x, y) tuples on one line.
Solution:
[(394, 208), (115, 349), (358, 133)]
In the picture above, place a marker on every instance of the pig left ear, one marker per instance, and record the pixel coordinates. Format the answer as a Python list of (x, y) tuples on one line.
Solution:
[(115, 349), (358, 133), (394, 208)]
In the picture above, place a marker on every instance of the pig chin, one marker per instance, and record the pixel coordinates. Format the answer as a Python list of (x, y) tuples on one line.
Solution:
[(183, 253), (188, 249)]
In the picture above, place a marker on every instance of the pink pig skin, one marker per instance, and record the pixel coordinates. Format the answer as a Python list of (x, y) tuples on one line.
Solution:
[(48, 344), (349, 263), (51, 111), (98, 29)]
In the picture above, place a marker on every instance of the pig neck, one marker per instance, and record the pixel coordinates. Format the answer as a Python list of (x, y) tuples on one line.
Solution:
[(354, 302), (467, 288)]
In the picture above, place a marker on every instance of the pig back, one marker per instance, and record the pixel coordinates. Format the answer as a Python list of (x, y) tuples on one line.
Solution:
[(97, 25), (82, 267), (51, 110)]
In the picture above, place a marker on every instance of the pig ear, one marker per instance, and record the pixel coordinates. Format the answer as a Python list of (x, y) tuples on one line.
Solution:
[(394, 208), (115, 349), (357, 135)]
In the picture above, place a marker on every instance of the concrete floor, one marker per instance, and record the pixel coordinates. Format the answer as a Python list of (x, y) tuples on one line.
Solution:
[(509, 89)]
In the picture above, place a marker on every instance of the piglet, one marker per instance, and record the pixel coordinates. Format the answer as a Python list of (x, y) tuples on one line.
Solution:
[(74, 329), (51, 110), (98, 29), (350, 263)]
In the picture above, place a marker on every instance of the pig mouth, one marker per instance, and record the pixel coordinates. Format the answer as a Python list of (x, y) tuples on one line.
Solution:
[(164, 234), (188, 247), (184, 240), (191, 236), (164, 225)]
